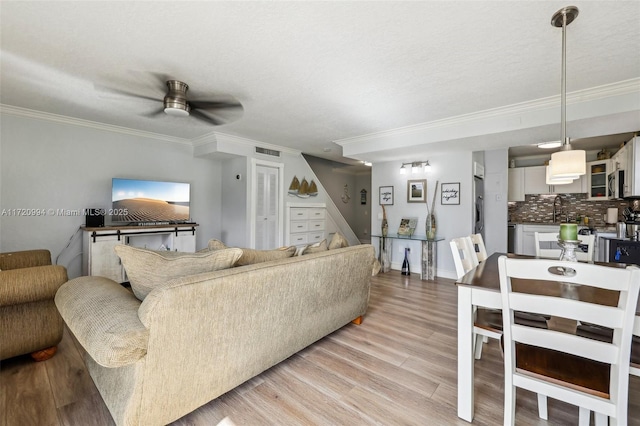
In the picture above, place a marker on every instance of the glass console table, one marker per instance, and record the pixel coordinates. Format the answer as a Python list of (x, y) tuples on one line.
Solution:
[(429, 252)]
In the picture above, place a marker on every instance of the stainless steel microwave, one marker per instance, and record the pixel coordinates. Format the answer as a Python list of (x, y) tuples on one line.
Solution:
[(615, 182)]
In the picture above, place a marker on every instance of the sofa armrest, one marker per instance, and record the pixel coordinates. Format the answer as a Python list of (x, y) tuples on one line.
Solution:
[(24, 259), (31, 284), (103, 316)]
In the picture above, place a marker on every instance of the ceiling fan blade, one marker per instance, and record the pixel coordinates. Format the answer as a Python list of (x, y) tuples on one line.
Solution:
[(124, 92), (213, 105), (196, 113), (162, 78), (153, 114)]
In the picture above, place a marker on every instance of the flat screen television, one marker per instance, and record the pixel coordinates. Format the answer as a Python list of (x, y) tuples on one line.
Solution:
[(137, 201)]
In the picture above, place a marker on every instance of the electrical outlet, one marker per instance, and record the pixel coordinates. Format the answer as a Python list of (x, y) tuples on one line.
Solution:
[(379, 216)]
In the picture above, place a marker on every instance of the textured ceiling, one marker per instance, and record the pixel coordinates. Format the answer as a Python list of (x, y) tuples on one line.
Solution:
[(309, 73)]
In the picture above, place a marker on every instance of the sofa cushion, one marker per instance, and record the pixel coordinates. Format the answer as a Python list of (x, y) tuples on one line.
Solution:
[(316, 248), (338, 241), (148, 269), (251, 256)]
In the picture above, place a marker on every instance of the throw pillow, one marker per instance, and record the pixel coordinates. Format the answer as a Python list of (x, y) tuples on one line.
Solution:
[(216, 245), (316, 248), (148, 269), (251, 256), (338, 241)]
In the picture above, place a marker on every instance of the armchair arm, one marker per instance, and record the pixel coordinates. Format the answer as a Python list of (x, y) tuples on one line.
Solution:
[(31, 284), (103, 316), (24, 259)]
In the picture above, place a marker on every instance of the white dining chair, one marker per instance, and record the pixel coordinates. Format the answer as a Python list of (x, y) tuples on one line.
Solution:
[(464, 255), (465, 259), (552, 250), (616, 354), (479, 247)]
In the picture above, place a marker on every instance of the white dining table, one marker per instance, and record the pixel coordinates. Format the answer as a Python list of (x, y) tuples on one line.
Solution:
[(479, 287)]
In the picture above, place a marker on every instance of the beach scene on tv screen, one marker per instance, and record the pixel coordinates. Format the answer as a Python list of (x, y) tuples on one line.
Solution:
[(150, 201)]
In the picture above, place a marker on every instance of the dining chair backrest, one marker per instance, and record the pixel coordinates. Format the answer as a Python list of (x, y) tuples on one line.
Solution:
[(464, 256), (590, 241), (553, 251), (551, 248), (479, 247), (620, 319)]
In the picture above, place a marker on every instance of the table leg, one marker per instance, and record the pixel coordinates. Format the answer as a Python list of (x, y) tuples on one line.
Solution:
[(429, 259), (465, 354)]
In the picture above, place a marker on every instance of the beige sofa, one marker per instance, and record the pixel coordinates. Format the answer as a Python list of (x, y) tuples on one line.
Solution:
[(196, 337)]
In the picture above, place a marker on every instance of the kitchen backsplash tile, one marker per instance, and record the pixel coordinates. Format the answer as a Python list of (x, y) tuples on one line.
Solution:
[(539, 208)]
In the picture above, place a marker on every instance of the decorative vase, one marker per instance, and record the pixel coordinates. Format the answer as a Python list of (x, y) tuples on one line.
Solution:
[(406, 270), (385, 227), (385, 224), (431, 226)]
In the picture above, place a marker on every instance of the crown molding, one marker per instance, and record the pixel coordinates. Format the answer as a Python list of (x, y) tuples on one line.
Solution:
[(620, 88), (39, 115)]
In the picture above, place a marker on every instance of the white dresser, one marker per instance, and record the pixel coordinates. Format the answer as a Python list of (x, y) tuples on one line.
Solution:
[(305, 223)]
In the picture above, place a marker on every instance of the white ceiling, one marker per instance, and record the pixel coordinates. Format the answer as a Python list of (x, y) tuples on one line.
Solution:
[(312, 73)]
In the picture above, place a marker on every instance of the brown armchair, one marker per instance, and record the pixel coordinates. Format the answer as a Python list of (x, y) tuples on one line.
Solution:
[(29, 319)]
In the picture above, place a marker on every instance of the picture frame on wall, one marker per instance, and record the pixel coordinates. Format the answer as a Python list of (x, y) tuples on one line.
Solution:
[(450, 193), (417, 191), (386, 195)]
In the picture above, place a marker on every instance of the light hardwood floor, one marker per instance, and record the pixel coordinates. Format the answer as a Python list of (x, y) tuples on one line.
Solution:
[(397, 368)]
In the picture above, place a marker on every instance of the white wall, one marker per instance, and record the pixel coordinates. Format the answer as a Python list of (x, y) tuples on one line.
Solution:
[(233, 203), (495, 191), (452, 220), (48, 164)]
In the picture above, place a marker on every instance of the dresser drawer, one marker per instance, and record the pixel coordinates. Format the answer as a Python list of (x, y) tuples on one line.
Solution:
[(316, 225), (299, 213), (315, 237), (316, 213), (297, 239), (299, 226)]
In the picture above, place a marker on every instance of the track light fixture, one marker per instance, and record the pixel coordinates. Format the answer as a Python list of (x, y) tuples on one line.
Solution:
[(416, 167)]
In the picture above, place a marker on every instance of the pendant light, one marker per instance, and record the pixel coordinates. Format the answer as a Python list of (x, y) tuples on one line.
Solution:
[(558, 181), (566, 163)]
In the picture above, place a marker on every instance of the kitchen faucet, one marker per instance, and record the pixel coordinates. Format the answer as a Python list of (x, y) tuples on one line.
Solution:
[(556, 213)]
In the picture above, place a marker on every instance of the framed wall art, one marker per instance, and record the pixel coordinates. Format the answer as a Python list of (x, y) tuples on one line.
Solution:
[(386, 195), (417, 191), (450, 193)]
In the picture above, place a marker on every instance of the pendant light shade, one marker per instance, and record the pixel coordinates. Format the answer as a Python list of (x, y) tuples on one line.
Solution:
[(566, 163), (558, 181)]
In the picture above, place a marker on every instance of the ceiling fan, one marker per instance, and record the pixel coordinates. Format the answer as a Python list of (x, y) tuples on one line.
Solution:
[(216, 111)]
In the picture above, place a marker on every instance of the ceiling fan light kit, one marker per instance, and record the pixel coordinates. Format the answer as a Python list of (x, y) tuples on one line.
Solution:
[(175, 103), (566, 163)]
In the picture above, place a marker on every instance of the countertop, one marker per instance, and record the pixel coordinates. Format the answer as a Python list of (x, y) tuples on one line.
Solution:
[(601, 228)]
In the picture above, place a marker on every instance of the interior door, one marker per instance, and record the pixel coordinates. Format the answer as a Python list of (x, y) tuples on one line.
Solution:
[(267, 206)]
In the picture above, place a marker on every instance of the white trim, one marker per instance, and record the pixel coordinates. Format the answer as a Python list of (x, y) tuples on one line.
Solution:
[(595, 93), (28, 113)]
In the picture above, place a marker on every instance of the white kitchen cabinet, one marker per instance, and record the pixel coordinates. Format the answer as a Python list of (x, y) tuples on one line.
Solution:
[(597, 172), (516, 184), (632, 172), (535, 182)]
